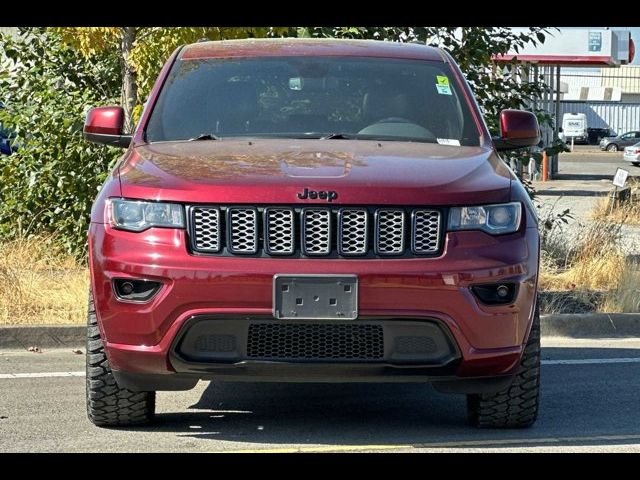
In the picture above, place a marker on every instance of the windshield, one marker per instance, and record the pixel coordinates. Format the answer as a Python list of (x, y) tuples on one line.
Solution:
[(312, 97)]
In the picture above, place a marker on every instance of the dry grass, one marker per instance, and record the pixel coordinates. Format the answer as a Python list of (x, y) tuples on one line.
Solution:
[(617, 212), (40, 285), (625, 298), (594, 262), (591, 261)]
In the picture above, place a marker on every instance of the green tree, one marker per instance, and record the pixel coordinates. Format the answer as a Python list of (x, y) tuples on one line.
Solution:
[(49, 183)]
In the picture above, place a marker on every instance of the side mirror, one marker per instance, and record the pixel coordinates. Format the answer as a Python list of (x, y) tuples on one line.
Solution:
[(104, 125), (518, 129)]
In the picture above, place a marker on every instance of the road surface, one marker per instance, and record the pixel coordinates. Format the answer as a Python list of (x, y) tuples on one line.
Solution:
[(590, 402)]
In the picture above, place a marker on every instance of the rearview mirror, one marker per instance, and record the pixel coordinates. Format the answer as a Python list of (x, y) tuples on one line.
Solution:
[(518, 129), (104, 125)]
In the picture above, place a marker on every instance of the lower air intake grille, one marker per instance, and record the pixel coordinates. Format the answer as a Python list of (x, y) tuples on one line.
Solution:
[(328, 342)]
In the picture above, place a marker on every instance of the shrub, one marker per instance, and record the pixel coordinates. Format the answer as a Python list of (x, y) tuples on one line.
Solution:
[(48, 185)]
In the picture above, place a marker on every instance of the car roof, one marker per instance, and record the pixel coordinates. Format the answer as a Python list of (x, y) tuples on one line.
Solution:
[(281, 47)]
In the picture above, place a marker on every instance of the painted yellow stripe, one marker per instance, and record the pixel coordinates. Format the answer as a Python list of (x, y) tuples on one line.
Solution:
[(336, 448), (459, 444)]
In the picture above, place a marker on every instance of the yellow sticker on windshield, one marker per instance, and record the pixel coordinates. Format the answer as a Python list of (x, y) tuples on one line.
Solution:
[(442, 80), (442, 85)]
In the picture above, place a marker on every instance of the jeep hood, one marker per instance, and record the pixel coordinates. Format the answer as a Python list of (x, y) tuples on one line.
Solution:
[(273, 171)]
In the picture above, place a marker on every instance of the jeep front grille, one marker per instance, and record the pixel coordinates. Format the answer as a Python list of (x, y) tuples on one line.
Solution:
[(390, 232), (426, 225), (206, 229), (353, 230), (358, 232), (279, 231), (316, 231), (242, 225)]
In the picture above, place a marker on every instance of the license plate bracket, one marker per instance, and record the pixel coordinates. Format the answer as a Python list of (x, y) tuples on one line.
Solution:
[(315, 297)]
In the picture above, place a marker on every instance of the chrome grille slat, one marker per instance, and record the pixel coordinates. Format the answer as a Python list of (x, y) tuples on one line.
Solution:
[(279, 231), (316, 231), (353, 231), (390, 226), (242, 225), (426, 231), (206, 230)]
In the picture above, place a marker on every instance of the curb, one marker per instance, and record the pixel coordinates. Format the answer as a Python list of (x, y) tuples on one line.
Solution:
[(590, 325), (41, 336), (571, 325)]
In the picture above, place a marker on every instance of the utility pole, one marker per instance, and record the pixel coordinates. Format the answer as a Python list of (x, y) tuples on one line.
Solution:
[(556, 130)]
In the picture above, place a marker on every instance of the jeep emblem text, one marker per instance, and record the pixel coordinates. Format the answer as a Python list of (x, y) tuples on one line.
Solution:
[(328, 195)]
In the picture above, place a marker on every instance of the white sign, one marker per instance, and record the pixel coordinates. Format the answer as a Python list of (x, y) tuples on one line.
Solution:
[(620, 178)]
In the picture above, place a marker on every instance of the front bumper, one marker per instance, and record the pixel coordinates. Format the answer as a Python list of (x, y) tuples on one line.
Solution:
[(140, 339)]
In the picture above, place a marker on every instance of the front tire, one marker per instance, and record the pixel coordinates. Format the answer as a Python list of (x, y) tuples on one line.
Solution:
[(107, 404), (612, 148), (517, 405)]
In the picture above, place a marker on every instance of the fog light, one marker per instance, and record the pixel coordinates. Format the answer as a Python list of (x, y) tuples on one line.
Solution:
[(496, 293), (131, 290), (127, 288), (502, 291)]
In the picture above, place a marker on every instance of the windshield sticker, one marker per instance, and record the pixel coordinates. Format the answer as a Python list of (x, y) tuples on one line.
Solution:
[(442, 85), (448, 141)]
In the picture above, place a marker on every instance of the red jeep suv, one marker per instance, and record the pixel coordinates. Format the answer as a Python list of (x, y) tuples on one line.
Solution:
[(313, 211)]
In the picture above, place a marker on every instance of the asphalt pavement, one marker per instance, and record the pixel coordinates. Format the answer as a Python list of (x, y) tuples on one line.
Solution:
[(590, 400)]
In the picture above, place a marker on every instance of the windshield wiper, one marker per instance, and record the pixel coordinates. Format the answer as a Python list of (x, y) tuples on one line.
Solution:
[(338, 136), (205, 136)]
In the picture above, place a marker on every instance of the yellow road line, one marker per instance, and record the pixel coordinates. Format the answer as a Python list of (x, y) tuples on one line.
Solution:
[(458, 444), (328, 448)]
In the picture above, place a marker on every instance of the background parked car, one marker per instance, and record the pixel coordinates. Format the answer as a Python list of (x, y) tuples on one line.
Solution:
[(597, 134), (632, 154), (6, 136), (613, 144)]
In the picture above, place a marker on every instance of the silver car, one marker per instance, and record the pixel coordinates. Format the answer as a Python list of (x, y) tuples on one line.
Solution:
[(632, 154), (613, 144)]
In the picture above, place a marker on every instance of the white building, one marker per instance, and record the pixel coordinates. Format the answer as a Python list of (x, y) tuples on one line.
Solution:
[(621, 84)]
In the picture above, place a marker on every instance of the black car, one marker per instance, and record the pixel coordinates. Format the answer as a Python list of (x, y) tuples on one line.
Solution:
[(597, 134)]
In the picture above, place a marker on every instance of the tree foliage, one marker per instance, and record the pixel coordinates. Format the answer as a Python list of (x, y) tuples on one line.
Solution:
[(50, 182)]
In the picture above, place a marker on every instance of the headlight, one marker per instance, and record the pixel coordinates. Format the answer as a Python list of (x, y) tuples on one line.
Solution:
[(136, 215), (494, 219)]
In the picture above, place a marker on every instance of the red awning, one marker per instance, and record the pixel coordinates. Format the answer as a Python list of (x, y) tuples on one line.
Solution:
[(569, 60)]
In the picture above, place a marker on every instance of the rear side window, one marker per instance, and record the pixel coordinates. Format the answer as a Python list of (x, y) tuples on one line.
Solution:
[(311, 97)]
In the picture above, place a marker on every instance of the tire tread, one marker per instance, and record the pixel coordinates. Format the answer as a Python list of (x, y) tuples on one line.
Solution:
[(107, 404), (517, 405)]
